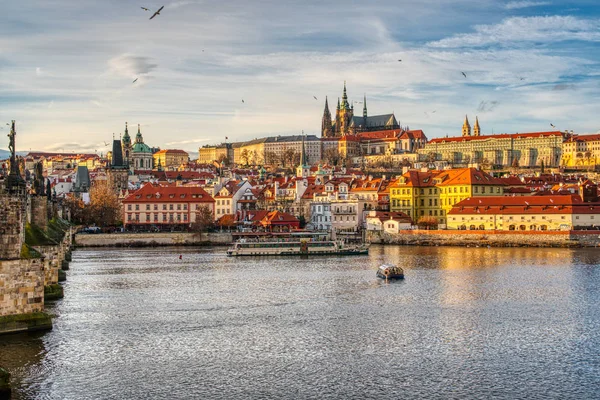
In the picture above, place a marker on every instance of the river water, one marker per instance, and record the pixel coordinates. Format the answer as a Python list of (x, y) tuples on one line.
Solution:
[(465, 323)]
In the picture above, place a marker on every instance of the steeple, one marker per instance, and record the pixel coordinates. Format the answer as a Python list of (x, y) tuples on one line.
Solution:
[(345, 104), (138, 137), (365, 106), (303, 170), (126, 138), (466, 128), (338, 106), (326, 128), (476, 129), (303, 154)]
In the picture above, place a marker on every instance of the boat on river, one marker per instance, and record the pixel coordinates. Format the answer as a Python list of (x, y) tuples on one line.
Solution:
[(295, 245), (389, 271)]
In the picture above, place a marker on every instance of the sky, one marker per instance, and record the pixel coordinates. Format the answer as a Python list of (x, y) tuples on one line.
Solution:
[(67, 67)]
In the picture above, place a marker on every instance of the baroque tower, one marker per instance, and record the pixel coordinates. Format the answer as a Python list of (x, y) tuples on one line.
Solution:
[(326, 124), (466, 128), (126, 146), (476, 129)]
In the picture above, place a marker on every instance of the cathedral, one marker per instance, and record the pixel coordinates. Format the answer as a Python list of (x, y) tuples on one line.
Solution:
[(137, 155), (347, 124)]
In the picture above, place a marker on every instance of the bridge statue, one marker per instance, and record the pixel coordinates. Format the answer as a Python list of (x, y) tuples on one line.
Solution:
[(14, 176)]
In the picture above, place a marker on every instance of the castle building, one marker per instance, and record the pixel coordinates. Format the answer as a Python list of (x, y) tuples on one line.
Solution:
[(346, 123), (141, 153), (503, 150)]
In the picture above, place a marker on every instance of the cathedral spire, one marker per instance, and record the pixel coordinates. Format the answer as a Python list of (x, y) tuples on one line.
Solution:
[(466, 128), (345, 104), (326, 126), (338, 106), (365, 106), (138, 137), (476, 128)]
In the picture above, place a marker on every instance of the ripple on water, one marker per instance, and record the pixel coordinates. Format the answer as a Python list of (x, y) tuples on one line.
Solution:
[(465, 323)]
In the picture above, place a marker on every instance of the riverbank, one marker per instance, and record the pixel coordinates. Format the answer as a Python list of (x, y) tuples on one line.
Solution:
[(568, 239), (152, 239)]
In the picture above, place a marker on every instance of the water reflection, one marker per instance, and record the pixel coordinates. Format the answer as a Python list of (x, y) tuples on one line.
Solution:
[(466, 323)]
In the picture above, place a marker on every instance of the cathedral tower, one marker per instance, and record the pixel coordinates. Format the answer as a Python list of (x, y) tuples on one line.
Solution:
[(476, 129), (326, 127), (343, 115), (466, 128)]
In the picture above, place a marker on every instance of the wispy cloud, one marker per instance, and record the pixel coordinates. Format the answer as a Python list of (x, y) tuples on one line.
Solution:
[(526, 29), (191, 141), (487, 106), (130, 65), (514, 5)]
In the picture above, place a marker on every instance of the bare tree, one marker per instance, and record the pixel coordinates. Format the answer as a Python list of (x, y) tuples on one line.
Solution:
[(204, 221)]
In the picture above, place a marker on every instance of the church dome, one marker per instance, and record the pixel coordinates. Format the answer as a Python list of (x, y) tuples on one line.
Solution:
[(141, 148)]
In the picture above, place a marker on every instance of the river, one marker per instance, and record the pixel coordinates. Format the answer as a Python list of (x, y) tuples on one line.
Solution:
[(466, 323)]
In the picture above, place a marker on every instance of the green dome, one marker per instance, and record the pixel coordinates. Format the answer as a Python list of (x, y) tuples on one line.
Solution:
[(141, 148)]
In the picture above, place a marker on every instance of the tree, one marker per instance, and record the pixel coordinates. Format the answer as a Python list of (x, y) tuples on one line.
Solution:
[(427, 222), (223, 159), (104, 208), (331, 156), (76, 209), (244, 156), (287, 158), (204, 221)]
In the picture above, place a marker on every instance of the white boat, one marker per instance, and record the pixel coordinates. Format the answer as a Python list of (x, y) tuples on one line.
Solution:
[(389, 271), (294, 246)]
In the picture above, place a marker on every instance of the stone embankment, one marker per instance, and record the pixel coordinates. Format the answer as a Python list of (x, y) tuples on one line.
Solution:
[(488, 238), (152, 239)]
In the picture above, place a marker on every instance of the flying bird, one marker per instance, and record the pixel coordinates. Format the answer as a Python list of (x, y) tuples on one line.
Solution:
[(157, 12), (135, 80), (399, 60), (106, 144), (144, 8), (552, 125), (433, 112), (465, 75), (243, 101), (315, 97)]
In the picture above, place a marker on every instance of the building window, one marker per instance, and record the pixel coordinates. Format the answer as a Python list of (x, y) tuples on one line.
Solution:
[(137, 207), (147, 217), (155, 207), (164, 206), (128, 207), (171, 207), (178, 206), (147, 207)]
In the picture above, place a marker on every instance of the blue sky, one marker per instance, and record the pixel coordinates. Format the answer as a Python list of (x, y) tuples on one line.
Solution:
[(66, 67)]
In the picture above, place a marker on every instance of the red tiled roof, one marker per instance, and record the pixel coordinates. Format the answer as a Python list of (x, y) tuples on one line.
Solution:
[(525, 205), (500, 136), (169, 194)]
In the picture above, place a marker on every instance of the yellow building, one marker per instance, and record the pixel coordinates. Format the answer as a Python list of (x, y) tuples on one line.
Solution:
[(170, 159), (433, 193), (536, 213), (581, 151)]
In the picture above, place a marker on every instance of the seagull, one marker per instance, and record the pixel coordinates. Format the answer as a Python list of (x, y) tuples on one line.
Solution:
[(106, 144), (552, 125), (243, 101), (144, 8), (315, 97), (465, 75), (399, 60), (135, 80), (157, 12)]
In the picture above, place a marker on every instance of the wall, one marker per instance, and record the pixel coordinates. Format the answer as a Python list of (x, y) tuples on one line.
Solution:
[(12, 233), (140, 239), (39, 212), (22, 286), (484, 238)]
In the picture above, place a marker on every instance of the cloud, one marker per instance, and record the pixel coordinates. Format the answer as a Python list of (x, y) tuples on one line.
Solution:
[(191, 141), (515, 5), (131, 66), (548, 29), (563, 86), (487, 106), (75, 147)]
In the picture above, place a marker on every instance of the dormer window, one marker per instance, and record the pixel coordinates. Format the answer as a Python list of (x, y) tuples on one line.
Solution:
[(182, 196), (171, 196)]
